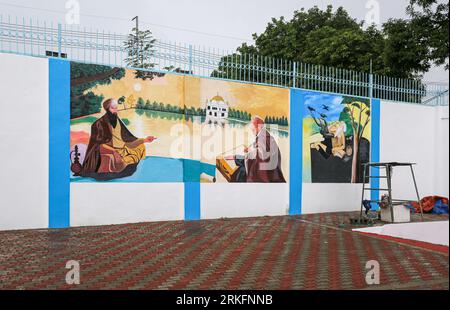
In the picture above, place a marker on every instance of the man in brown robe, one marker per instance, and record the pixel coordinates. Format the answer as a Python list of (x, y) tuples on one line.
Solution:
[(263, 157), (112, 147)]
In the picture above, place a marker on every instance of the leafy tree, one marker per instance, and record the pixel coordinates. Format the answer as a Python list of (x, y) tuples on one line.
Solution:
[(333, 38), (345, 117), (356, 109), (402, 55), (139, 47), (429, 18)]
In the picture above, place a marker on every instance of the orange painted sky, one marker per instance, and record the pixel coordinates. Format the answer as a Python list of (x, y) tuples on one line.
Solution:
[(167, 89), (255, 99)]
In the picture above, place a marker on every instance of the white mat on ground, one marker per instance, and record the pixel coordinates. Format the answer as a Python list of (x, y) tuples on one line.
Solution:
[(431, 232)]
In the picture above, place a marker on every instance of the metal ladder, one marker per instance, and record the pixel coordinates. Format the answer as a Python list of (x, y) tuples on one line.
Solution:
[(388, 176)]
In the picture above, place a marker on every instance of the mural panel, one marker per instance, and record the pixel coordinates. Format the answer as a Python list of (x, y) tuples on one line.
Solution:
[(127, 127), (336, 137), (243, 130), (121, 125)]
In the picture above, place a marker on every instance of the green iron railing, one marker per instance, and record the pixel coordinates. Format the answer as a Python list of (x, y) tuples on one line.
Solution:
[(75, 43)]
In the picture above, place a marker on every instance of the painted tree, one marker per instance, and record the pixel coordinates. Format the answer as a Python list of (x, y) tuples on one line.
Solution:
[(121, 101), (84, 77), (321, 122), (358, 112), (140, 103), (130, 100)]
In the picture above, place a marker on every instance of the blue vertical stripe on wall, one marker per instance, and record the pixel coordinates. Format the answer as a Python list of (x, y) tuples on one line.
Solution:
[(191, 176), (296, 154), (191, 201), (59, 143), (375, 149)]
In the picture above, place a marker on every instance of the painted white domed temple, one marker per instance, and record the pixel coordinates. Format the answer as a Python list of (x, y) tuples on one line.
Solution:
[(216, 110)]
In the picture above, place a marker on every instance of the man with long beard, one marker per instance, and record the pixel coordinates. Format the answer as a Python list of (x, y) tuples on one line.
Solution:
[(262, 160), (112, 147)]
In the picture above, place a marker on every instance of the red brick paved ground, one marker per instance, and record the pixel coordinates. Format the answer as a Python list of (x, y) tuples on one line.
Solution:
[(306, 252)]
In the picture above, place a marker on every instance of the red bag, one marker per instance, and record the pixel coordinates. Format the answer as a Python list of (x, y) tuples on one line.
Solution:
[(428, 203)]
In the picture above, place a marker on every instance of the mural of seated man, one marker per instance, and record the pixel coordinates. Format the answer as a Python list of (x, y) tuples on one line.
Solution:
[(262, 160), (332, 144), (113, 151), (338, 130)]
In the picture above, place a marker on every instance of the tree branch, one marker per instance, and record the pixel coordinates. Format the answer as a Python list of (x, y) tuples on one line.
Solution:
[(92, 78)]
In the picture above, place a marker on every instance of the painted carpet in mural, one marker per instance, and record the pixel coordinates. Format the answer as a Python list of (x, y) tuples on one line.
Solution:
[(336, 137)]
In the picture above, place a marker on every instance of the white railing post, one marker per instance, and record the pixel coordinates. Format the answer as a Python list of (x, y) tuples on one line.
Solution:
[(190, 59), (59, 39), (294, 75)]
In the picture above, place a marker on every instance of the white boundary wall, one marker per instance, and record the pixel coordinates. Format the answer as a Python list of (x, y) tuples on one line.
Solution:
[(408, 132), (24, 145), (243, 200), (419, 134), (119, 203)]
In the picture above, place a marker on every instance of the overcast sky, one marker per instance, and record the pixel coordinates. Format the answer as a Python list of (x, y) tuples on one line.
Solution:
[(223, 24)]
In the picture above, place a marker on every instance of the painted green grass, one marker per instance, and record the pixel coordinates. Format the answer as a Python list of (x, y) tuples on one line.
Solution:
[(87, 119)]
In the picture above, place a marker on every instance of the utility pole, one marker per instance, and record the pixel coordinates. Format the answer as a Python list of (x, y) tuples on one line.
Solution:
[(371, 79), (137, 41)]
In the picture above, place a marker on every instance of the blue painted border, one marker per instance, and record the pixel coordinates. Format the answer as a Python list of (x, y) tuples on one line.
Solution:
[(296, 152), (375, 149), (191, 201), (59, 143)]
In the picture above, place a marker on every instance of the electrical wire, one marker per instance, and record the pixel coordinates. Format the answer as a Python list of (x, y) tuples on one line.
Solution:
[(126, 19)]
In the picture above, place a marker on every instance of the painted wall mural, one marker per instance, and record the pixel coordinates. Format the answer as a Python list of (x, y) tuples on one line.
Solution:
[(336, 137), (173, 128), (128, 141), (243, 130)]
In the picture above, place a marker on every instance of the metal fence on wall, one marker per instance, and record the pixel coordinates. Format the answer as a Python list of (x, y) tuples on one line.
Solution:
[(28, 37)]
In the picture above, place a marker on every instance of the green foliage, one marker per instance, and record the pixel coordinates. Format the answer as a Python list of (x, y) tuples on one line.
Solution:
[(83, 78), (352, 49), (240, 115), (140, 103), (161, 107), (403, 56), (333, 38), (87, 119), (272, 120), (429, 20), (360, 105), (85, 105), (139, 48), (345, 117), (356, 100), (121, 100)]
